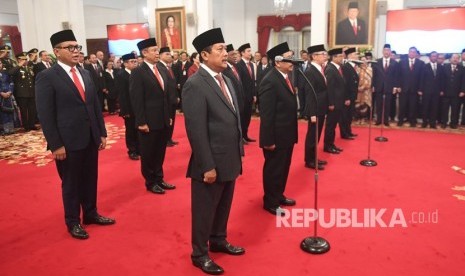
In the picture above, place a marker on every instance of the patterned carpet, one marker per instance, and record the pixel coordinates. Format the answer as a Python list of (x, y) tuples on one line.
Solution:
[(31, 147)]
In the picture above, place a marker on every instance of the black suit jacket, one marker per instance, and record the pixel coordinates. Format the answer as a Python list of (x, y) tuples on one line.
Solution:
[(336, 86), (384, 81), (65, 118), (345, 34), (213, 128), (170, 84), (261, 73), (149, 101), (319, 84), (38, 67), (454, 81), (351, 77), (110, 84), (432, 84), (410, 79), (122, 84), (248, 83), (181, 73), (278, 111), (97, 76)]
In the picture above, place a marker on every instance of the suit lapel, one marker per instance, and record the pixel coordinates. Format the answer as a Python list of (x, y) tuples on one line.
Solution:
[(149, 72), (282, 80), (212, 83)]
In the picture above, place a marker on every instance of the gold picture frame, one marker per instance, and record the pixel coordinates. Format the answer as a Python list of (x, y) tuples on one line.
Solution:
[(341, 33), (173, 36)]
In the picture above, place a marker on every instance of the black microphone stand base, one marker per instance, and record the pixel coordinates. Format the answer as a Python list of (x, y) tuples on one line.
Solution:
[(381, 139), (315, 245), (368, 163)]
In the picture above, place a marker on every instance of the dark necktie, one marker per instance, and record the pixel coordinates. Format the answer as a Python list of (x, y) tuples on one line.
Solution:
[(249, 69), (170, 71), (289, 83)]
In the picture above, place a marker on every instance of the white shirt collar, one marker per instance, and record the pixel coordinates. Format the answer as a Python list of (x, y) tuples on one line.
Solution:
[(210, 71), (67, 68), (127, 70)]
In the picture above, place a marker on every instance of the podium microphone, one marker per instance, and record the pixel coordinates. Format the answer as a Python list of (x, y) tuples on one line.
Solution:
[(369, 162), (313, 244), (381, 138)]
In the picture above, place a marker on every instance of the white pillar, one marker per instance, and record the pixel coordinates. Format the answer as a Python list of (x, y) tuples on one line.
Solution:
[(205, 21), (319, 22), (38, 20)]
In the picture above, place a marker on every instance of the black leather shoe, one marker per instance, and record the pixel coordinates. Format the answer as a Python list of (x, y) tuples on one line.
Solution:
[(244, 141), (250, 139), (353, 135), (208, 266), (78, 232), (133, 156), (399, 124), (387, 124), (277, 211), (331, 150), (424, 125), (443, 126), (169, 144), (338, 149), (377, 123), (453, 126), (166, 186), (322, 162), (287, 202), (173, 142), (433, 126), (227, 248), (156, 189), (347, 138), (98, 219), (312, 166)]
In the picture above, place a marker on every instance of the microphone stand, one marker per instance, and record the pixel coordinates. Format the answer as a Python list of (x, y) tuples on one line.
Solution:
[(369, 162), (314, 244), (381, 138)]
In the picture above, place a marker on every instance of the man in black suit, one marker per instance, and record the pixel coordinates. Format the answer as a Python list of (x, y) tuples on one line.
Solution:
[(337, 97), (214, 131), (73, 126), (431, 87), (44, 63), (278, 129), (411, 70), (96, 72), (386, 82), (122, 83), (300, 84), (351, 78), (148, 91), (454, 90), (246, 73), (233, 75), (262, 69), (165, 69), (315, 75), (180, 70), (352, 30)]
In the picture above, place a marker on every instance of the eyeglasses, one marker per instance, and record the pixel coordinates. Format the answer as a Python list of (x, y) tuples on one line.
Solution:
[(71, 48)]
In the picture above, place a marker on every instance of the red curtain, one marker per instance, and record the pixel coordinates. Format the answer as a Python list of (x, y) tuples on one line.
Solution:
[(266, 23), (15, 37)]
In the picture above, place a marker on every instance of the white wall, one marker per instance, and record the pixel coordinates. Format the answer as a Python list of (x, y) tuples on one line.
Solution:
[(9, 12)]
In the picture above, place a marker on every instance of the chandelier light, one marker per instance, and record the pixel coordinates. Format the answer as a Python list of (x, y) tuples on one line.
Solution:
[(281, 7)]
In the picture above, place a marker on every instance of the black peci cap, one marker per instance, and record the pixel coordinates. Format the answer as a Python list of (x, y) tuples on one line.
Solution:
[(127, 57), (149, 42), (208, 38), (243, 47), (277, 50), (62, 36)]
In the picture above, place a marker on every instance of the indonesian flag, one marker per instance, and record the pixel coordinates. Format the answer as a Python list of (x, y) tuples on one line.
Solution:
[(441, 30), (123, 38)]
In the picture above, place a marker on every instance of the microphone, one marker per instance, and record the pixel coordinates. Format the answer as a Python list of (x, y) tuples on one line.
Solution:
[(293, 61)]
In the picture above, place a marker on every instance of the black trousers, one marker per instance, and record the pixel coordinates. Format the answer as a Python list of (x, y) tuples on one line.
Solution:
[(452, 104), (302, 101), (345, 123), (27, 107), (152, 155), (132, 141), (211, 204), (379, 107), (173, 117), (332, 119), (393, 110), (275, 173), (408, 102), (78, 173), (111, 104), (245, 120), (430, 108), (462, 106), (310, 140)]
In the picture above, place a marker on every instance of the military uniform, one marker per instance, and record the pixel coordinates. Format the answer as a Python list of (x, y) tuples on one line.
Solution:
[(24, 92), (7, 62)]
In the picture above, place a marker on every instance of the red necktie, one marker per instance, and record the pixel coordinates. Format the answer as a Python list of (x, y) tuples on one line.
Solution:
[(323, 72), (235, 73), (157, 75), (249, 69), (340, 71), (289, 83), (78, 84), (223, 88), (170, 71), (354, 27)]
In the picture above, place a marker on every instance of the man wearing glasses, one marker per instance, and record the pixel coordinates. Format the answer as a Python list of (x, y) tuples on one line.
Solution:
[(73, 126)]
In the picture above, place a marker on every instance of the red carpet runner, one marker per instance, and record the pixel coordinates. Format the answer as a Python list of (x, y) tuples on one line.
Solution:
[(152, 233)]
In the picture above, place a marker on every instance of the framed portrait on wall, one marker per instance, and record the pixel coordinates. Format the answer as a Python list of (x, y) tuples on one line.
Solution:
[(171, 28), (352, 23)]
